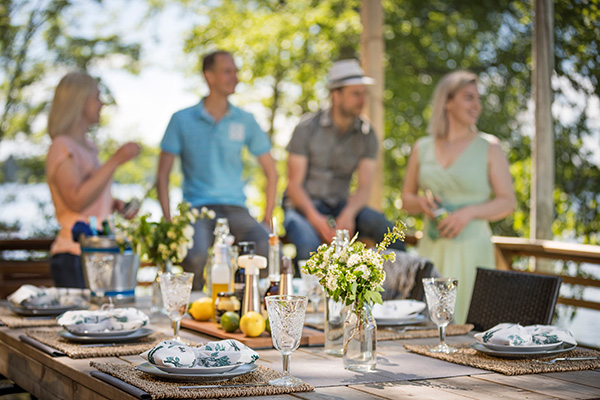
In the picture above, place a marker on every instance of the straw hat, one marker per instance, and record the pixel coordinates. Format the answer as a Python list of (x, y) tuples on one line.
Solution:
[(345, 73)]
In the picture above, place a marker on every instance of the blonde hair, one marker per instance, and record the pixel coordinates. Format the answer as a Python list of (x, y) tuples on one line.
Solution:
[(444, 91), (69, 101)]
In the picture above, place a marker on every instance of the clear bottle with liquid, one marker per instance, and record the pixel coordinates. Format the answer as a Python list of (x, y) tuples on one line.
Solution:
[(239, 278), (221, 271), (221, 233)]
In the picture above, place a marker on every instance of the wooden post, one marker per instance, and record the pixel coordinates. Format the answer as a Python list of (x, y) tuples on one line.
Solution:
[(372, 52), (542, 178)]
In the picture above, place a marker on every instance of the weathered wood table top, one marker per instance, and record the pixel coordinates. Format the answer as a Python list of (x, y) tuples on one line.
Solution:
[(49, 377)]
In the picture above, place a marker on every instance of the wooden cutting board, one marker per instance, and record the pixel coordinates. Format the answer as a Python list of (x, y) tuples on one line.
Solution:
[(310, 337)]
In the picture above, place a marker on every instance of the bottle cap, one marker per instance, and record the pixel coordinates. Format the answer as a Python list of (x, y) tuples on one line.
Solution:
[(252, 264)]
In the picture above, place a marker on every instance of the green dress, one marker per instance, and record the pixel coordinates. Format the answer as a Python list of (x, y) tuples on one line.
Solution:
[(463, 183)]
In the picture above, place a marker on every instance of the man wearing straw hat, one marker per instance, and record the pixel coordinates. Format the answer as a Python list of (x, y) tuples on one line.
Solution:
[(326, 149)]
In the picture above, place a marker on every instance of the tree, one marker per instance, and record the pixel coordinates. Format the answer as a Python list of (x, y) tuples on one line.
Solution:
[(36, 39), (493, 38)]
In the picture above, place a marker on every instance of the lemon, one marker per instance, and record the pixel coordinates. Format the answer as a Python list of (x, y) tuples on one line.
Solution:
[(252, 324), (202, 309), (230, 321)]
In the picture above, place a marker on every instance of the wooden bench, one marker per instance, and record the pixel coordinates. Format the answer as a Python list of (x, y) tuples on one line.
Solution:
[(24, 261)]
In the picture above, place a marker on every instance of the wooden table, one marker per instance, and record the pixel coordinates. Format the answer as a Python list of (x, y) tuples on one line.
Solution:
[(64, 378)]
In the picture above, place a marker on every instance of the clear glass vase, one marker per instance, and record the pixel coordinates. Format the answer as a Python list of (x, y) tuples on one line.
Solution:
[(360, 340), (335, 315)]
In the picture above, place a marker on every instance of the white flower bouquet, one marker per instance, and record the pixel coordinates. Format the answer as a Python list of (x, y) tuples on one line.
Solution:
[(164, 240), (353, 274)]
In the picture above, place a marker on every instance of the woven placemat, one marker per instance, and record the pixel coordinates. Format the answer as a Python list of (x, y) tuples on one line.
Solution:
[(12, 320), (451, 330), (75, 350), (160, 389), (472, 358)]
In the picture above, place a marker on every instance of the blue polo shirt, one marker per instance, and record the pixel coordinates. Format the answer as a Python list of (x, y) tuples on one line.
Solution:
[(211, 152)]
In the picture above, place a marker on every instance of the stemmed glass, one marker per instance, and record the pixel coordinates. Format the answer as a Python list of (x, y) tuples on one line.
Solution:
[(176, 289), (314, 292), (286, 316), (441, 298)]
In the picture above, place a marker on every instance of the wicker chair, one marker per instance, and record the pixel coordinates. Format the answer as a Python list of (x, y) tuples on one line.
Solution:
[(512, 296), (407, 266)]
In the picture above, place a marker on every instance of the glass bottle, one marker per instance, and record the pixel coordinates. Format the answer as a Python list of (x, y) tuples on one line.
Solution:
[(239, 278), (221, 233), (221, 271), (335, 311), (360, 339), (274, 265)]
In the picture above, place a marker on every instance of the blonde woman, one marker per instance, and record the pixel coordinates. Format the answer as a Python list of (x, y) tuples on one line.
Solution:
[(459, 178), (79, 185)]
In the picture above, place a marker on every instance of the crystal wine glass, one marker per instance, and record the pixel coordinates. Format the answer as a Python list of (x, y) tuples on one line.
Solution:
[(286, 316), (176, 289), (441, 298), (99, 269), (314, 292)]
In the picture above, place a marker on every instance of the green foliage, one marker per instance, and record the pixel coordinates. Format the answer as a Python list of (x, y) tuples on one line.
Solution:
[(37, 39), (286, 45)]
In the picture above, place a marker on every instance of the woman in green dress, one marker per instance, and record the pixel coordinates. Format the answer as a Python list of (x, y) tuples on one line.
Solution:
[(460, 179)]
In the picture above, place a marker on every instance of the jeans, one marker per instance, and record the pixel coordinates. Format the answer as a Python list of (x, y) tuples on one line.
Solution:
[(241, 225), (369, 223), (67, 271)]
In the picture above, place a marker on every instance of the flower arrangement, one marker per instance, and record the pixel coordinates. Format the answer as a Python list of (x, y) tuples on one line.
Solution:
[(162, 241), (353, 274)]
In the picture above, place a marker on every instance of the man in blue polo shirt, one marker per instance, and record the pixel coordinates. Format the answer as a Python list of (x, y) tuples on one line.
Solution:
[(209, 138)]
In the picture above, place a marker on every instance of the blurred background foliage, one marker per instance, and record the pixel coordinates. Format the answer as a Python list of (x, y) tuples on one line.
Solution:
[(285, 48)]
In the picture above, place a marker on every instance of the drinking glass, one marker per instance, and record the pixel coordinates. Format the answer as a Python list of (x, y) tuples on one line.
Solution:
[(314, 292), (286, 316), (441, 298), (176, 289), (99, 270)]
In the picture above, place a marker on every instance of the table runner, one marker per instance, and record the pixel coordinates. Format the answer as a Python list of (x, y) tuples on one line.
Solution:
[(395, 334), (159, 389), (75, 350), (12, 320), (473, 358)]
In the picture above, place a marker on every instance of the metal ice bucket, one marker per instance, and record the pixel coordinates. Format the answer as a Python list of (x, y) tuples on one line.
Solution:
[(122, 267)]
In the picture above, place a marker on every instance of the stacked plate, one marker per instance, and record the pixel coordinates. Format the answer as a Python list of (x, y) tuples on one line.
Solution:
[(528, 351), (399, 312), (197, 374), (112, 325), (47, 310)]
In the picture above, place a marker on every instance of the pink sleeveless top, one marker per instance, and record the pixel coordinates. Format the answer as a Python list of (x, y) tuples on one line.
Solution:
[(86, 161)]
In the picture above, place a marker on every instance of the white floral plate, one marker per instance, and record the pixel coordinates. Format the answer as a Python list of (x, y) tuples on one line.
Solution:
[(521, 349), (217, 376), (198, 370), (136, 334), (397, 309), (564, 347)]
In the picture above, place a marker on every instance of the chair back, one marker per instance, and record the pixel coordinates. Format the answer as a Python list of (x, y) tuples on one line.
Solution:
[(512, 296), (404, 276)]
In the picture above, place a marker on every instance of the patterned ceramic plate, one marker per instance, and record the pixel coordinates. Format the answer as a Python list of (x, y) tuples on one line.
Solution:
[(137, 334), (217, 376), (564, 347), (104, 334), (49, 310), (198, 370), (521, 349)]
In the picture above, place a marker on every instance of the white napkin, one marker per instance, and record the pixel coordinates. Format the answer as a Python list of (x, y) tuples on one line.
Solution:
[(397, 309), (516, 335), (104, 320), (33, 296), (213, 354)]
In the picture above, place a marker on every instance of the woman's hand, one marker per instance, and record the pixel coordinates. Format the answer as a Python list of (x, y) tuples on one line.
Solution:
[(454, 223), (126, 152), (427, 205)]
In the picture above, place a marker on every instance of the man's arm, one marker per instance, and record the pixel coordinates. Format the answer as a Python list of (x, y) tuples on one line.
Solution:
[(268, 165), (297, 166), (347, 218), (165, 163)]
